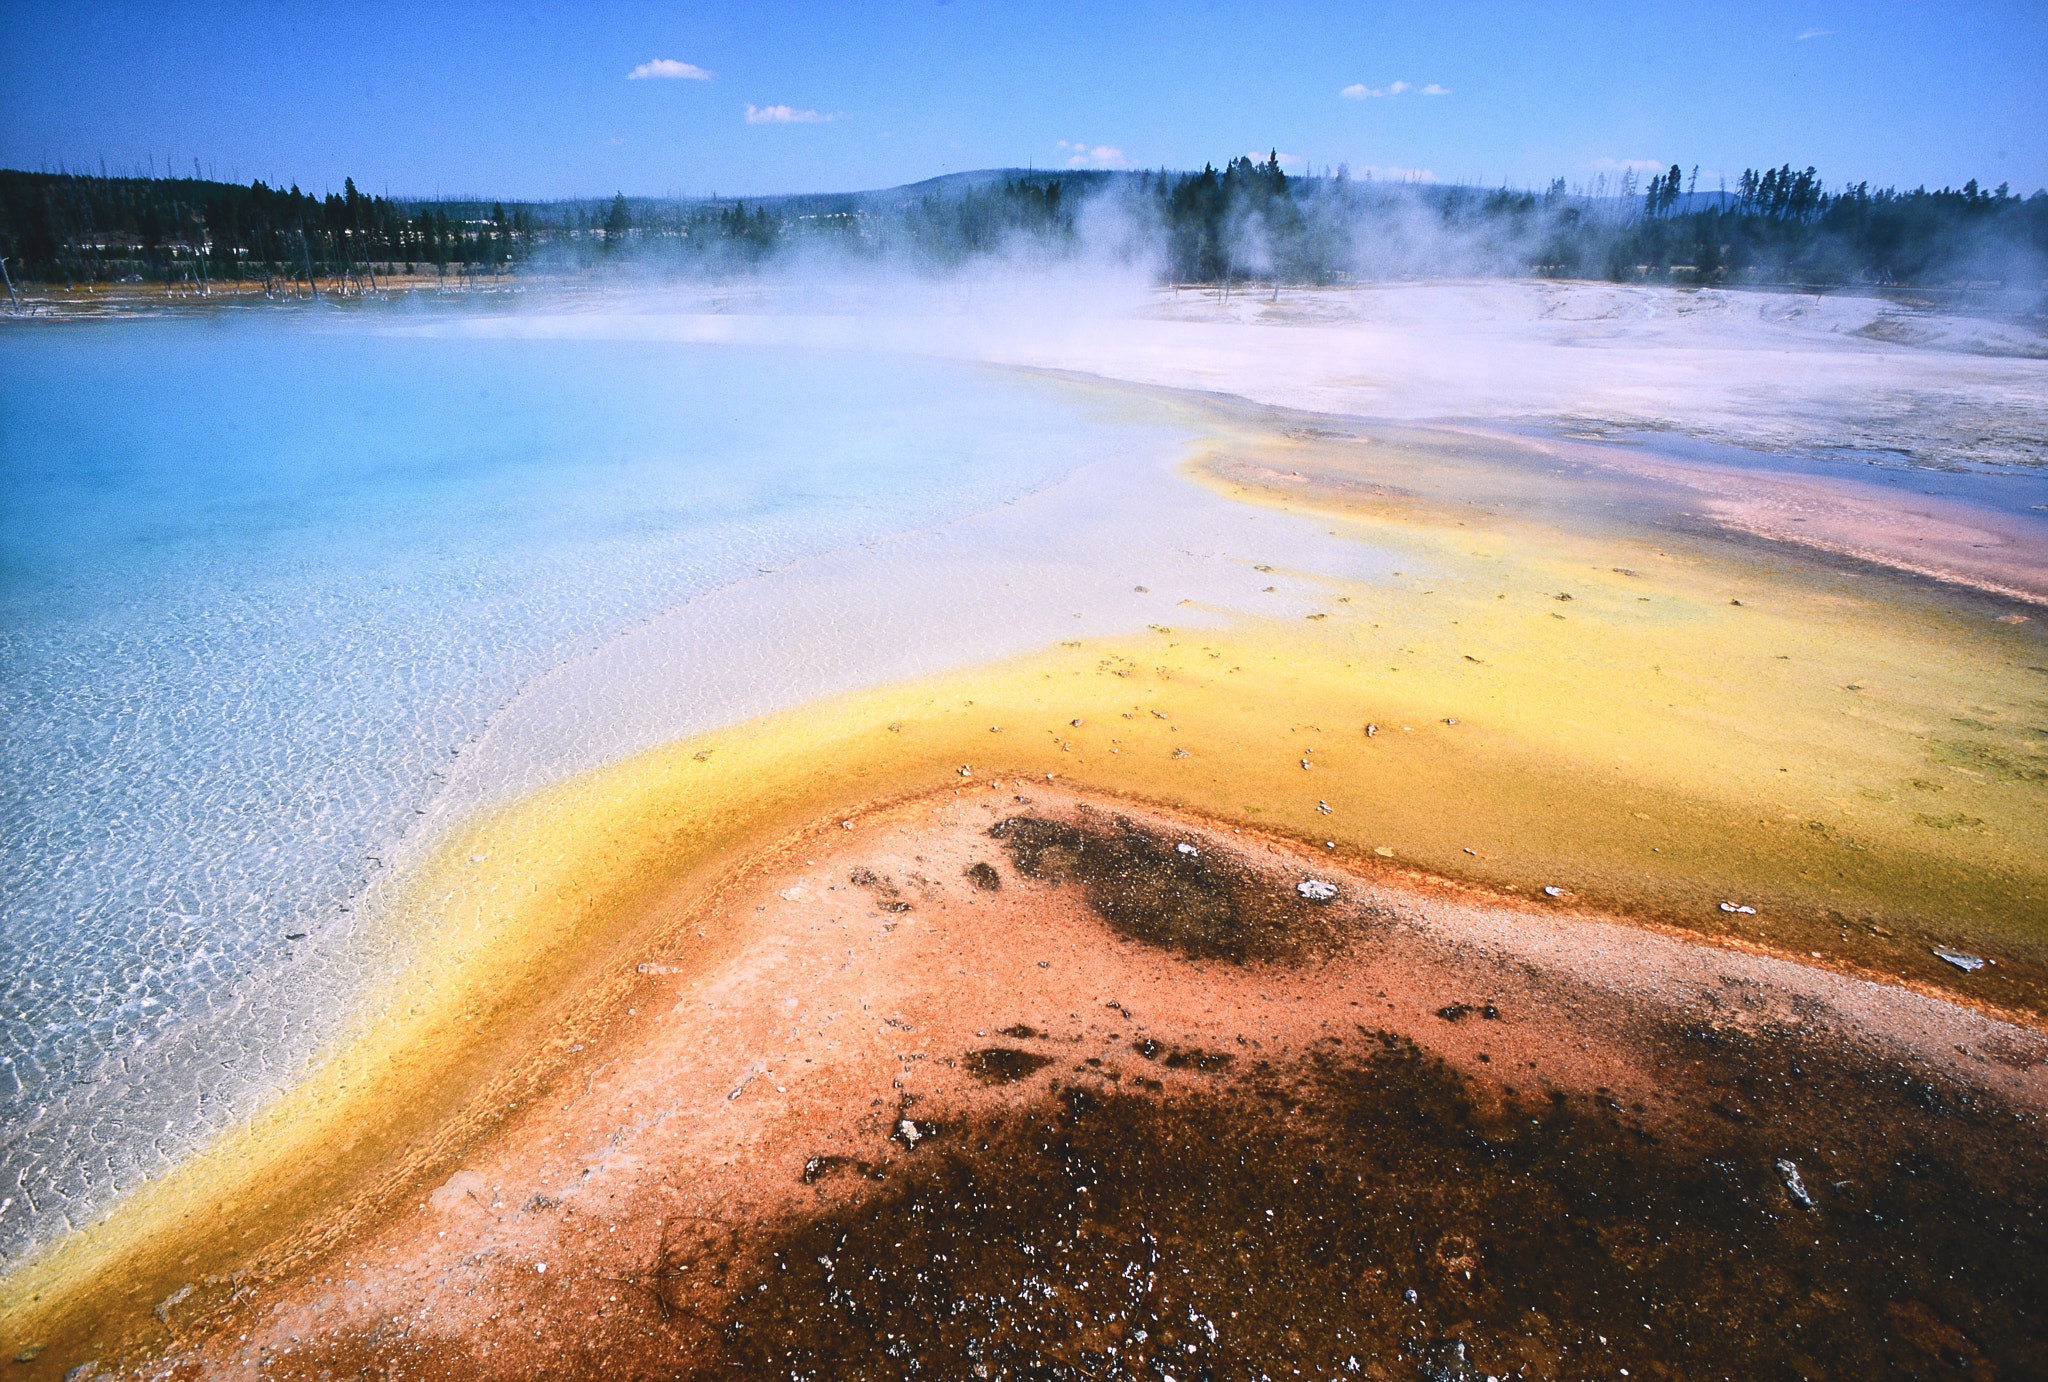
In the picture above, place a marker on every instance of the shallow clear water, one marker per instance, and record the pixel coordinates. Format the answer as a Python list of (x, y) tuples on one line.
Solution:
[(261, 580)]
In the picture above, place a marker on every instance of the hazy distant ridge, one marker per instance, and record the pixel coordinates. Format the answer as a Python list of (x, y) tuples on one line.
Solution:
[(1249, 221)]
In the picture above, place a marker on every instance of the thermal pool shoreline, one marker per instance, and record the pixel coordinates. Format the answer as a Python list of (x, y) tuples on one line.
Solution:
[(986, 1017)]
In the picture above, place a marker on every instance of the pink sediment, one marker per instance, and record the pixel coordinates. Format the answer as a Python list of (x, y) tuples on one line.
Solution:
[(1927, 535)]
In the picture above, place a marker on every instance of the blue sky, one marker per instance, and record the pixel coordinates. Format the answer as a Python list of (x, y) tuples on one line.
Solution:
[(538, 100)]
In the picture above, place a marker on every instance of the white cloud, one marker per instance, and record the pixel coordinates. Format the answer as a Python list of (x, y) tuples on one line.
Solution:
[(670, 68), (1286, 160), (1623, 165), (1359, 91), (1813, 33), (785, 115), (1085, 155)]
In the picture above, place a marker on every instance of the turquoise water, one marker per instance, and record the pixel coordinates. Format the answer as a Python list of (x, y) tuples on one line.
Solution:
[(262, 578)]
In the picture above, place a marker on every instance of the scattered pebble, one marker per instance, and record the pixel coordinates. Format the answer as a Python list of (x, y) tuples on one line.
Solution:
[(1790, 1172), (1316, 889), (1371, 730), (177, 1297), (1968, 963), (966, 771), (1188, 850), (1738, 907)]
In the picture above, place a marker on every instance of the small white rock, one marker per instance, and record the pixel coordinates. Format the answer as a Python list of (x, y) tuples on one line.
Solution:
[(1316, 890)]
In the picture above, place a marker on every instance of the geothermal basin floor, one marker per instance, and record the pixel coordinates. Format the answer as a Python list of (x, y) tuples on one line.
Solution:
[(1013, 1081)]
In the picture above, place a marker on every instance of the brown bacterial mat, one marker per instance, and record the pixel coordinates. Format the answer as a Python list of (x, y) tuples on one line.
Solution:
[(1016, 1084)]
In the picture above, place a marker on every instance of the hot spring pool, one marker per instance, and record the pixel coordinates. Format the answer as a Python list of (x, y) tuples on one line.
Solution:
[(263, 579)]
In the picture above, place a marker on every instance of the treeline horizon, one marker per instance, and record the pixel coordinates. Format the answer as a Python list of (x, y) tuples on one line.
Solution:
[(1247, 222)]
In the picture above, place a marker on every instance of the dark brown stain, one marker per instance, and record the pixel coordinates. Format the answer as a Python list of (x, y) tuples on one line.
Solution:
[(819, 1167), (1369, 1211), (1204, 902), (1003, 1065)]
